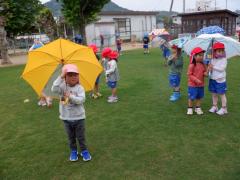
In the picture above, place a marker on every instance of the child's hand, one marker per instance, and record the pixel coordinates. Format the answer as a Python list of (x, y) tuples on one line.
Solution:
[(63, 74), (210, 67), (67, 94), (198, 81)]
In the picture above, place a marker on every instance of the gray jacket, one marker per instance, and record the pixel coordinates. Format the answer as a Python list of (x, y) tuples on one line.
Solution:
[(74, 109), (112, 71)]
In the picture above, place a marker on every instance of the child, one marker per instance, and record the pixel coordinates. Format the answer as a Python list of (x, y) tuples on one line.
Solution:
[(119, 45), (145, 43), (217, 83), (96, 94), (71, 109), (166, 51), (112, 75), (175, 62), (44, 99), (105, 55), (196, 73)]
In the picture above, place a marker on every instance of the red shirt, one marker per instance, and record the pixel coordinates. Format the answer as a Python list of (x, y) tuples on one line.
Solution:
[(196, 72)]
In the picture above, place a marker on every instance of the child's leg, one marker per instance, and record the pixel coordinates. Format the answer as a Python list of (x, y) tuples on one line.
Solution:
[(190, 103), (190, 107), (224, 100), (70, 130), (80, 134), (223, 110), (198, 103), (214, 99), (114, 92)]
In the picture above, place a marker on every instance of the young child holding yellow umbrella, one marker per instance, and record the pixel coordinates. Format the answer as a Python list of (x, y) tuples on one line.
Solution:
[(71, 109)]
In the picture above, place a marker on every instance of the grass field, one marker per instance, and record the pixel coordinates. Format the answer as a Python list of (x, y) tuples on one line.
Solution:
[(143, 136)]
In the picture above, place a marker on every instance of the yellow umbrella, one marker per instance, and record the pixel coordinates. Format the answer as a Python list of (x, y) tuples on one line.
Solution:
[(44, 61)]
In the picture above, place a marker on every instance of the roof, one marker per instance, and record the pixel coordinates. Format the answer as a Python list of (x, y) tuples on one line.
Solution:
[(109, 13), (209, 12)]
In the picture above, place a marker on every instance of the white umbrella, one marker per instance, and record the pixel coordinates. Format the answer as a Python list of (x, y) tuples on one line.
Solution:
[(157, 41), (232, 47)]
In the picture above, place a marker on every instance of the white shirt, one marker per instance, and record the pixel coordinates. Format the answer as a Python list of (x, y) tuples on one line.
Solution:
[(219, 69)]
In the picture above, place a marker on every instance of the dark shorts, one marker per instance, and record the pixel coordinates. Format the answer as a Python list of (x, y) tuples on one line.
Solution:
[(166, 53), (97, 80), (119, 48), (218, 88), (174, 80), (112, 84), (145, 46), (195, 92)]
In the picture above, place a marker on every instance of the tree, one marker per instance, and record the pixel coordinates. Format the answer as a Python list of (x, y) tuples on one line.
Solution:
[(3, 42), (79, 13), (47, 23), (21, 16)]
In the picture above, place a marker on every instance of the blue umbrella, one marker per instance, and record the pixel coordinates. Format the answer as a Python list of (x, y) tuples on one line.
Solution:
[(211, 30)]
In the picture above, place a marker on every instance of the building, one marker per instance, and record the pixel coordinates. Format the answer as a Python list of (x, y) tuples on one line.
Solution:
[(129, 25), (192, 22)]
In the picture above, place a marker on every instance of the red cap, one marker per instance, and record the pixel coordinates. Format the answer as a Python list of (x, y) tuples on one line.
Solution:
[(106, 51), (174, 46), (195, 51), (113, 55), (94, 48), (218, 45)]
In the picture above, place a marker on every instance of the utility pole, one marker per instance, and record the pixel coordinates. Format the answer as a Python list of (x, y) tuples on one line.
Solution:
[(226, 4), (184, 3)]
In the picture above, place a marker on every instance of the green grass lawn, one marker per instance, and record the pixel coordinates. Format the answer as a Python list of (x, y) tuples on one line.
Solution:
[(143, 136)]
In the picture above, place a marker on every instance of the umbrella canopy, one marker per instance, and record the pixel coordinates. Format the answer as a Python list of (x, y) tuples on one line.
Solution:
[(46, 61), (232, 47), (211, 30), (159, 32), (180, 41), (157, 41)]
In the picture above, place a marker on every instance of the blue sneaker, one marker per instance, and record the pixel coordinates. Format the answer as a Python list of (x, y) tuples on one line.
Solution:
[(175, 97), (86, 155), (73, 155)]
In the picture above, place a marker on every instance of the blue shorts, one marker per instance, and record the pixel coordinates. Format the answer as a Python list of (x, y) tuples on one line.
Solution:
[(195, 92), (218, 88), (166, 53), (145, 46), (174, 80), (119, 48), (97, 80), (112, 84)]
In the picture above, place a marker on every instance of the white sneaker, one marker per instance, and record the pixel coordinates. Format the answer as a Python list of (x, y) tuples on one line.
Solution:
[(198, 111), (213, 109), (112, 100), (42, 103), (222, 111), (190, 111)]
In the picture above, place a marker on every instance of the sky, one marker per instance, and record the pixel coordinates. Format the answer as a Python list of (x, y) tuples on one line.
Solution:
[(155, 5)]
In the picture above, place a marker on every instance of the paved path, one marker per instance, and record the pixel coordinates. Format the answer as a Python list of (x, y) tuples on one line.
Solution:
[(21, 58)]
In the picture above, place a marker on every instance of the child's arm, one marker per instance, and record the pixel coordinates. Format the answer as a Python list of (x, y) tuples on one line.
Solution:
[(113, 66), (191, 76), (56, 85), (79, 97)]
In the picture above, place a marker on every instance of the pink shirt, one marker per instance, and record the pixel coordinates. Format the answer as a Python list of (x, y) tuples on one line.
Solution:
[(196, 72)]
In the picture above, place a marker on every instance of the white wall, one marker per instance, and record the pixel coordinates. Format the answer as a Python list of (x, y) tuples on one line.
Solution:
[(139, 23), (93, 32)]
